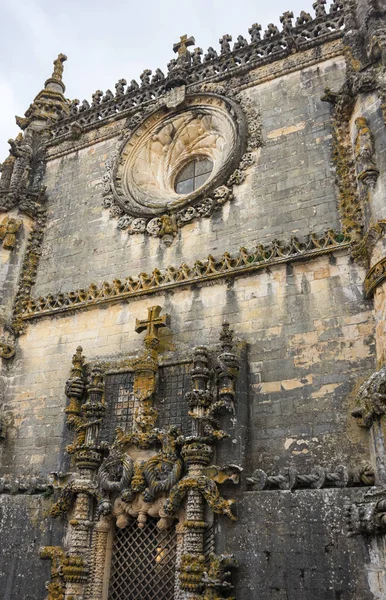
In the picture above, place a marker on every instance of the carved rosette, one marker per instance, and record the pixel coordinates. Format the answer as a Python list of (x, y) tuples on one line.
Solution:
[(140, 179)]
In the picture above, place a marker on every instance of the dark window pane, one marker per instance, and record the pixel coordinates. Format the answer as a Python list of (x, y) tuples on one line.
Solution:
[(203, 165), (185, 187), (186, 173), (200, 180), (193, 175)]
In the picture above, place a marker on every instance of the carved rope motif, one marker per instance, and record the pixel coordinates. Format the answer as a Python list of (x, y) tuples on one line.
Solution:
[(375, 276)]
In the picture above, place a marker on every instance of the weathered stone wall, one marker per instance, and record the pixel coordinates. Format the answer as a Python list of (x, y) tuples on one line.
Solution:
[(290, 191), (310, 337), (24, 529), (308, 328), (293, 545)]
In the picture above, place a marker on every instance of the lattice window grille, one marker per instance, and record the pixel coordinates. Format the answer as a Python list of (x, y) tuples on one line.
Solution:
[(143, 565), (120, 402), (174, 381)]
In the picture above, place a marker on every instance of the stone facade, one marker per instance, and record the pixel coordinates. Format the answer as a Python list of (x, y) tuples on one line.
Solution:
[(237, 448)]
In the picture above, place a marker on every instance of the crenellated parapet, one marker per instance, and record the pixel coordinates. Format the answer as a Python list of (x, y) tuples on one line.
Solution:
[(189, 68)]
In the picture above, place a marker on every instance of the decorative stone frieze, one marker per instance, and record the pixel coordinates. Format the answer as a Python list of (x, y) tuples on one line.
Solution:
[(350, 205), (190, 68), (202, 271), (29, 269), (319, 477)]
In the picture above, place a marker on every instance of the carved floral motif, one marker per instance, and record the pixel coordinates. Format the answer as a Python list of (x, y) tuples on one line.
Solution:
[(9, 227)]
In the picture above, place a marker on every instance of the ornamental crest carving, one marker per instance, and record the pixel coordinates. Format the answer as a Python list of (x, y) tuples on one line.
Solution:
[(178, 164)]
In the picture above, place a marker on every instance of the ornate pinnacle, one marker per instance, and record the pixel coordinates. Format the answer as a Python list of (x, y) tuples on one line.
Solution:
[(58, 67), (226, 337), (181, 47), (77, 363), (319, 8), (50, 104)]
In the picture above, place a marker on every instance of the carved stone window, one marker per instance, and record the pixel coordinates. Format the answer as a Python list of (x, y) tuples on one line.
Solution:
[(205, 126), (193, 175), (143, 563), (179, 164)]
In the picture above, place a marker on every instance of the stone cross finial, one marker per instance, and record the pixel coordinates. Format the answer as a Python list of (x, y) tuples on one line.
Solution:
[(181, 47), (286, 20), (58, 67), (197, 53), (152, 323), (319, 8), (224, 42), (254, 32)]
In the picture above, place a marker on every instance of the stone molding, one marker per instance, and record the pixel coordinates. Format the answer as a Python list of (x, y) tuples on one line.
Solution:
[(375, 276), (206, 271), (319, 477), (27, 485)]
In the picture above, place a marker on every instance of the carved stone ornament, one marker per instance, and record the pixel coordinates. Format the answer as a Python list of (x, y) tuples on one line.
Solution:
[(9, 228), (146, 474), (141, 179)]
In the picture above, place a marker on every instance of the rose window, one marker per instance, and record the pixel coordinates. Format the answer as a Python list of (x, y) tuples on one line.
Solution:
[(175, 158)]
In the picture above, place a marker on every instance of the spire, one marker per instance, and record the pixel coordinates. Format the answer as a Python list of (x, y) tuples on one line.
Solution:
[(50, 102), (56, 79)]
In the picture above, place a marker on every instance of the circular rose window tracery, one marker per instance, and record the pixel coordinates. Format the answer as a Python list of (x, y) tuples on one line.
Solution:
[(207, 132), (182, 164)]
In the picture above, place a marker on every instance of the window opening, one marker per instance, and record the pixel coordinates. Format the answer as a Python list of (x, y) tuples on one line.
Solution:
[(143, 563), (193, 175)]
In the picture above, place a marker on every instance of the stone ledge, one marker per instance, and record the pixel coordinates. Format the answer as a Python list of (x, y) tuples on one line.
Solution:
[(211, 269)]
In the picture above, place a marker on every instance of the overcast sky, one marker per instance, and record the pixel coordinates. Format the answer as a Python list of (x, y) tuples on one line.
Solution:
[(106, 40)]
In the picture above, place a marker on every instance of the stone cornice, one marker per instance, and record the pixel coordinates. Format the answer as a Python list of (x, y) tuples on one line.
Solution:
[(202, 272)]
